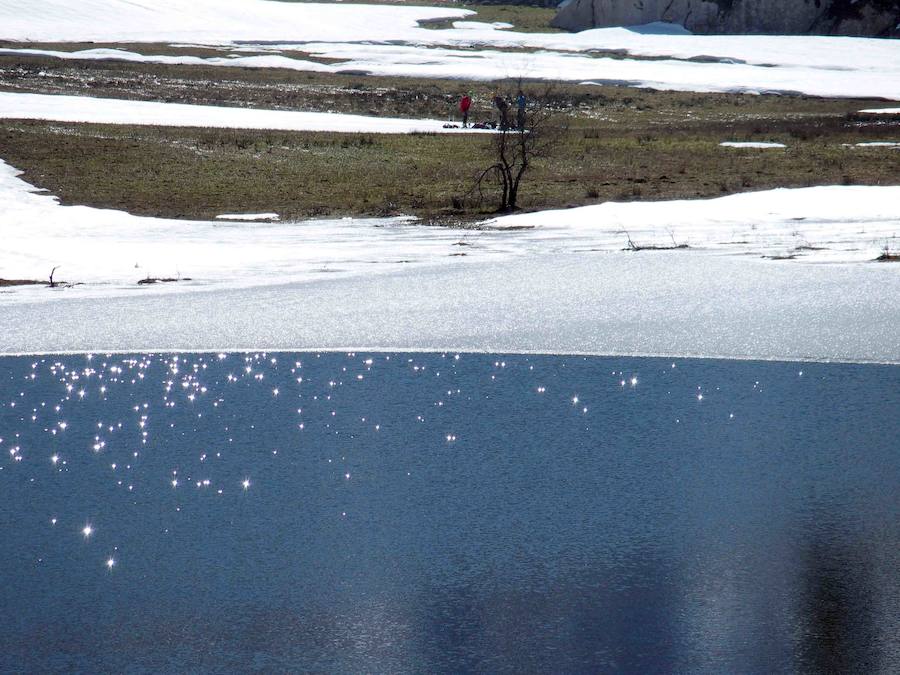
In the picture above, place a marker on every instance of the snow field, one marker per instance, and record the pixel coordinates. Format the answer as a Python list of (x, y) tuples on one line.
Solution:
[(829, 223), (492, 64), (109, 251), (209, 21), (387, 40), (154, 113)]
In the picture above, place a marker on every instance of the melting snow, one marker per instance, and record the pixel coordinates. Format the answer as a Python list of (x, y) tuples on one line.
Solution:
[(248, 216), (387, 40), (876, 144), (562, 285), (209, 21), (111, 250), (761, 146), (117, 111), (828, 223)]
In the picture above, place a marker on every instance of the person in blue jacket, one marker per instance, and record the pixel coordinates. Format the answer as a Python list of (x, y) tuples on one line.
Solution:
[(521, 102)]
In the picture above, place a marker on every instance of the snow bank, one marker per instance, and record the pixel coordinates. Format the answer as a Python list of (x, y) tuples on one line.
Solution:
[(153, 113), (882, 111), (110, 250), (387, 40), (819, 223)]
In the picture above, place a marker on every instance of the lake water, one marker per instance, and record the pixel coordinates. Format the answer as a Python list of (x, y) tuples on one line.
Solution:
[(447, 513)]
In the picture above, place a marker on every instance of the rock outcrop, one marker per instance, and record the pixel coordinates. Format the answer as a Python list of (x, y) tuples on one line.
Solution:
[(826, 17)]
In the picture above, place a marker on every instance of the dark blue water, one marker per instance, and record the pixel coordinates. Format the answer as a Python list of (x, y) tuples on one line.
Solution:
[(433, 513)]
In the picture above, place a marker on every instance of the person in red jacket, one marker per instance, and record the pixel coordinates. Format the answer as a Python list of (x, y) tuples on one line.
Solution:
[(464, 104)]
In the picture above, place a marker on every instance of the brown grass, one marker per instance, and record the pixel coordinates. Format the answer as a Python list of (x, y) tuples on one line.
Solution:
[(197, 173), (20, 282), (621, 144)]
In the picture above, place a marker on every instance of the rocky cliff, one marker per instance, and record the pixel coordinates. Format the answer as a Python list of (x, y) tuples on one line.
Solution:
[(826, 17)]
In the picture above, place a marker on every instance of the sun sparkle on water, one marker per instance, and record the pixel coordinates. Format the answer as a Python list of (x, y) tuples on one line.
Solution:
[(321, 404)]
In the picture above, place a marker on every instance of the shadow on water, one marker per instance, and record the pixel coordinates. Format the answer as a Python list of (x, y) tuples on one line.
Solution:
[(837, 631)]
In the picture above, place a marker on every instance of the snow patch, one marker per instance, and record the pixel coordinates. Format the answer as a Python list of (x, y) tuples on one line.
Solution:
[(875, 144), (830, 223), (108, 251), (742, 144), (481, 25), (153, 113), (248, 216)]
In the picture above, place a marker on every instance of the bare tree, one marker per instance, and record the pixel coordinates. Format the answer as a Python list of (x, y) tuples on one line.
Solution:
[(520, 140)]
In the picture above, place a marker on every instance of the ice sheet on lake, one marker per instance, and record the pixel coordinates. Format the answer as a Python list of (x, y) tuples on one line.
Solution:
[(151, 113), (387, 40), (656, 303), (560, 285)]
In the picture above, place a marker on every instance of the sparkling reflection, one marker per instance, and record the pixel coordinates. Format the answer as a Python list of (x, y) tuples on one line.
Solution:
[(447, 513)]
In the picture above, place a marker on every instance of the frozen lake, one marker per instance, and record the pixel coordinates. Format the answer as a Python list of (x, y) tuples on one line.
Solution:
[(428, 512), (676, 303)]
